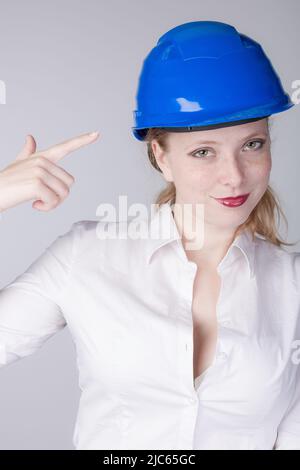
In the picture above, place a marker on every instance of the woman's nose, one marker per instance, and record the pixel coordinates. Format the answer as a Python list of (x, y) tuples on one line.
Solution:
[(231, 172)]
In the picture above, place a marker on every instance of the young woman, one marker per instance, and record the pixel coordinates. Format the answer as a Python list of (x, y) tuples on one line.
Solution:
[(179, 345)]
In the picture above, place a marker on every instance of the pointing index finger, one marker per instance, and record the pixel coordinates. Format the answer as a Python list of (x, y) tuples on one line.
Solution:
[(58, 151)]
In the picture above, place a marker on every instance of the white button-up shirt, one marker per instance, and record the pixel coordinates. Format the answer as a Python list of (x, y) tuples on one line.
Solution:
[(127, 303)]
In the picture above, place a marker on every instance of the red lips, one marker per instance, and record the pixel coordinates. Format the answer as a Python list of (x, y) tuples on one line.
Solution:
[(233, 201), (233, 198)]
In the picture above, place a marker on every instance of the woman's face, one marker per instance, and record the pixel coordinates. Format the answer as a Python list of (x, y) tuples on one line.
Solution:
[(218, 163)]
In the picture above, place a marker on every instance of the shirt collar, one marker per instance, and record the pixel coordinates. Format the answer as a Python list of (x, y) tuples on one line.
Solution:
[(163, 230)]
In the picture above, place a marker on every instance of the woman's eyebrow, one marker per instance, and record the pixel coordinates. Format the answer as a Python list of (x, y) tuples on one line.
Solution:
[(254, 134)]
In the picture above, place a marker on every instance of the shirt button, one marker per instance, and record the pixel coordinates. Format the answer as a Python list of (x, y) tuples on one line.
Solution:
[(192, 400)]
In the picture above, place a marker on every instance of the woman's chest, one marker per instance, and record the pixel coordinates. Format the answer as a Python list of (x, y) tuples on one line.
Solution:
[(244, 356), (205, 326), (146, 335)]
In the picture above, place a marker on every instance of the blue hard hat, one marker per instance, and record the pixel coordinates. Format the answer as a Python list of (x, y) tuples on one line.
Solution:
[(205, 74)]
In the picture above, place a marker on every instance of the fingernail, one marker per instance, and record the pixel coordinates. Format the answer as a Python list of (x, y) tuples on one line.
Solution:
[(93, 134)]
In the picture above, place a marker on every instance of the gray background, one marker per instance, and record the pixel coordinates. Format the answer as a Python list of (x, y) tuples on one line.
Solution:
[(71, 67)]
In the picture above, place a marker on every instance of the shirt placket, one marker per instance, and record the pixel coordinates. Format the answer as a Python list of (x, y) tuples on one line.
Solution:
[(185, 350), (185, 356)]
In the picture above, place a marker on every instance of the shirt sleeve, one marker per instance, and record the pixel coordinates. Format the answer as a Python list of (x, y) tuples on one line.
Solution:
[(288, 433), (30, 311)]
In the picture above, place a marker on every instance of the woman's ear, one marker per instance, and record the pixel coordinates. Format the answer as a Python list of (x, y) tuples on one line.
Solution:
[(162, 160)]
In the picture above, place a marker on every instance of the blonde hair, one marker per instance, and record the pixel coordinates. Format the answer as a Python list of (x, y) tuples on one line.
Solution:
[(262, 218)]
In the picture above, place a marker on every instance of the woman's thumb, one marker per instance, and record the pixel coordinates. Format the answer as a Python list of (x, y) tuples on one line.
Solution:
[(28, 149)]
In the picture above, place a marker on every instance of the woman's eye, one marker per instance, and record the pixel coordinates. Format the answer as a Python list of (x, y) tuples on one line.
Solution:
[(194, 154), (203, 152), (261, 142)]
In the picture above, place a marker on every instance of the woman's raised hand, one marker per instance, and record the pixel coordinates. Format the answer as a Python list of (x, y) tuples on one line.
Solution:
[(36, 175)]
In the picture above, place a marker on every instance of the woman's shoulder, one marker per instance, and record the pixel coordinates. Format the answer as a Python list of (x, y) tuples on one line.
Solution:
[(266, 246), (286, 259), (108, 237), (89, 227)]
